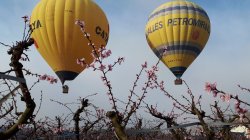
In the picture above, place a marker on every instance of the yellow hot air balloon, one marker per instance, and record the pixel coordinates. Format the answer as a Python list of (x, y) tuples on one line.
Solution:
[(60, 41), (177, 32)]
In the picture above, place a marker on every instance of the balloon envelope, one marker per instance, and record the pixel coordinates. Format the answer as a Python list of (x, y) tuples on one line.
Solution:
[(60, 41), (177, 32)]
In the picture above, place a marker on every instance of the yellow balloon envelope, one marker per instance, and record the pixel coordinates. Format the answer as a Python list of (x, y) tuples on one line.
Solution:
[(60, 41), (177, 32)]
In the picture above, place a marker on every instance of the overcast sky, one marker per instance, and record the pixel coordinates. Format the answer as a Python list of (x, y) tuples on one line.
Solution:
[(224, 60)]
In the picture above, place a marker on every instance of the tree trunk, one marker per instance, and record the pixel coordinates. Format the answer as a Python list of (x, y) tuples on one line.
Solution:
[(76, 117), (116, 123), (16, 53), (77, 129), (208, 132)]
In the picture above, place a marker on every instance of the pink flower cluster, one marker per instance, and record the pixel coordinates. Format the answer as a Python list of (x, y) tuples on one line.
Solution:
[(81, 24), (240, 110), (104, 53), (46, 77), (145, 65), (102, 67), (226, 97), (110, 67), (161, 85), (210, 87), (152, 77)]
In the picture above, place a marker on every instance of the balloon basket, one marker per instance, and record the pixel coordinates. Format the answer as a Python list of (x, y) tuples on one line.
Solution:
[(178, 81), (65, 89)]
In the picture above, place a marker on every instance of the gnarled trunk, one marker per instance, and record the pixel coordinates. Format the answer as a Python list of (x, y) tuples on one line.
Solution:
[(16, 53), (116, 123)]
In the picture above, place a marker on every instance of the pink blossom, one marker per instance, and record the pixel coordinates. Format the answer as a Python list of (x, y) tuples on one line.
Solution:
[(222, 97), (238, 110), (241, 116), (152, 75), (51, 79), (237, 103), (103, 78), (213, 86), (102, 67), (48, 78), (244, 110), (215, 94), (227, 97), (110, 67), (87, 35), (207, 87), (109, 52), (144, 65), (43, 77), (162, 85), (210, 87), (155, 68), (106, 54), (81, 24)]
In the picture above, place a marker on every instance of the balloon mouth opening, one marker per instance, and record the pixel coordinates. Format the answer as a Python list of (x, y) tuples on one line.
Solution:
[(178, 71), (66, 75)]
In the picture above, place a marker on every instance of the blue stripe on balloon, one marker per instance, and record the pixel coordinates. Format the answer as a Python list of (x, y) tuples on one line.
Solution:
[(201, 11), (183, 48), (178, 71), (176, 49)]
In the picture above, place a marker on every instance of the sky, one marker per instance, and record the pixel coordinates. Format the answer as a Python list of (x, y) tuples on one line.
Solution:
[(225, 59)]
